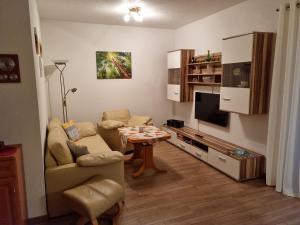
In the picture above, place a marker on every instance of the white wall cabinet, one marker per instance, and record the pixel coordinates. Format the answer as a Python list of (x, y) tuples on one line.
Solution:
[(177, 72), (174, 60), (247, 66)]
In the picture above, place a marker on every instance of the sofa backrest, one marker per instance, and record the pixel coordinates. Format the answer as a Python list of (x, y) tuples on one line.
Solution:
[(122, 115)]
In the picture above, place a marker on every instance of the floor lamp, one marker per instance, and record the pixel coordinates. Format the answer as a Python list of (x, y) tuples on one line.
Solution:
[(61, 65)]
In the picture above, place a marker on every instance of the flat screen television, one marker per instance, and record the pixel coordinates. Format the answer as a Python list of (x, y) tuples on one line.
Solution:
[(207, 109)]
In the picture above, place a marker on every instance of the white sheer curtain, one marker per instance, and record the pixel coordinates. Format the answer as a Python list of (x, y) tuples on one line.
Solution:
[(283, 146)]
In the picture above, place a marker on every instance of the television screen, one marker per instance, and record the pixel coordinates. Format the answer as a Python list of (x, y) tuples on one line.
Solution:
[(207, 109)]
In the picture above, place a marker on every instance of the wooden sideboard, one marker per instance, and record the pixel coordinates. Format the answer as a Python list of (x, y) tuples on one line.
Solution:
[(217, 153), (12, 190)]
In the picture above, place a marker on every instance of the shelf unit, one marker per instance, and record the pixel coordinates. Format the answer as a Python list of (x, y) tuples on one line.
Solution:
[(217, 153), (206, 73), (178, 89)]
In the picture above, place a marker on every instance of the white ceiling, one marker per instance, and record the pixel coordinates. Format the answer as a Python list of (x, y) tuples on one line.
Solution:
[(157, 13)]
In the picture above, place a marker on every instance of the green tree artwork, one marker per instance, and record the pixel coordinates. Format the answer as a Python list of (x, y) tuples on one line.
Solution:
[(113, 65)]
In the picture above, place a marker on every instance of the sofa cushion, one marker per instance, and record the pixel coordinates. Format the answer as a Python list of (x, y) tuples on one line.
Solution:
[(77, 150), (122, 115), (54, 123), (95, 144), (138, 121), (99, 159), (111, 124), (57, 145), (86, 129)]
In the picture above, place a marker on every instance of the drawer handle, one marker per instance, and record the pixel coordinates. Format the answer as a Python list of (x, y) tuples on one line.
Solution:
[(182, 146), (200, 156), (176, 93), (226, 99), (222, 158)]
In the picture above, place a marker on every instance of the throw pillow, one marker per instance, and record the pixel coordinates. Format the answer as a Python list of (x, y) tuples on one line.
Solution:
[(77, 150), (71, 130)]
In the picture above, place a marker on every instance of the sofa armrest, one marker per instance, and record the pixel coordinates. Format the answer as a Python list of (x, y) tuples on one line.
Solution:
[(110, 124), (99, 159)]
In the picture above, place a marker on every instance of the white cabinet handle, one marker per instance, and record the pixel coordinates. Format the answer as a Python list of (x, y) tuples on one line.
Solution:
[(226, 99), (222, 158)]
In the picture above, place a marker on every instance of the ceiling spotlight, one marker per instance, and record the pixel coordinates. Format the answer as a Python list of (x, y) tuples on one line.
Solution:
[(135, 13), (127, 18)]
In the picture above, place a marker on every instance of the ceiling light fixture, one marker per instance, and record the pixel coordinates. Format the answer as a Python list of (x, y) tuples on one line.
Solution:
[(135, 13)]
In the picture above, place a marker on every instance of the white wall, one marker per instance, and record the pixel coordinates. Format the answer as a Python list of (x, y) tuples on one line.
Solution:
[(207, 33), (19, 107), (144, 94)]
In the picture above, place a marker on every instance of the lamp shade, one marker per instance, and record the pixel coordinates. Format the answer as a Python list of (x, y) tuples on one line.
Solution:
[(60, 62)]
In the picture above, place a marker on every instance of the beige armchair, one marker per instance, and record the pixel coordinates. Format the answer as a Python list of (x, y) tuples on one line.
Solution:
[(112, 120)]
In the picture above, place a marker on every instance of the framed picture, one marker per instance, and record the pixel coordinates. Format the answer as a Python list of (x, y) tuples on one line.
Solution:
[(113, 65), (9, 68)]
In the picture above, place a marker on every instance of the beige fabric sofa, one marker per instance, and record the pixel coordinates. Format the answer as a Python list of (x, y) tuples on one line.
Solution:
[(112, 120), (62, 173)]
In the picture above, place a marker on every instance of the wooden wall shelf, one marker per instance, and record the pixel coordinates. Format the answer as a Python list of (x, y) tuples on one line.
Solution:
[(205, 73), (217, 153)]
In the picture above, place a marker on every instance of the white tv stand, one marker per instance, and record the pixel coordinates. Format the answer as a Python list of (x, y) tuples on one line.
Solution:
[(217, 153)]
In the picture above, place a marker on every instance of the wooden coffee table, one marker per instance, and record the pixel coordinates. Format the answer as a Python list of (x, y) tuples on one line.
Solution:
[(143, 146)]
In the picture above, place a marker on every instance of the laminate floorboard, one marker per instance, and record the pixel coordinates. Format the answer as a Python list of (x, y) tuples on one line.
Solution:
[(193, 193)]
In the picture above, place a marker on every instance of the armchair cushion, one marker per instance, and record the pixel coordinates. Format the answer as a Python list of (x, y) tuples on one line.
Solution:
[(86, 129), (122, 115), (138, 121), (99, 159), (111, 124)]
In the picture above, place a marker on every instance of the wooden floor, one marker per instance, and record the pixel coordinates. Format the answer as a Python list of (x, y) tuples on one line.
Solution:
[(193, 193)]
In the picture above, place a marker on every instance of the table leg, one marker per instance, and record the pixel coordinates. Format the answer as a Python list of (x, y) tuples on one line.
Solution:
[(146, 153), (136, 155)]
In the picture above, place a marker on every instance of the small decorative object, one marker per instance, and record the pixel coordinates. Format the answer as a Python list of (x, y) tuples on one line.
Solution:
[(141, 129), (208, 79), (193, 60), (244, 84), (237, 71), (61, 65), (208, 57), (113, 65), (9, 68), (240, 153), (195, 80)]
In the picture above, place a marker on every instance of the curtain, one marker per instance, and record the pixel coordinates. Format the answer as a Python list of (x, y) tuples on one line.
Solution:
[(283, 144)]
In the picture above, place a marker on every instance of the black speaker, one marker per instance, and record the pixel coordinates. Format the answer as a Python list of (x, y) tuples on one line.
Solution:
[(175, 123)]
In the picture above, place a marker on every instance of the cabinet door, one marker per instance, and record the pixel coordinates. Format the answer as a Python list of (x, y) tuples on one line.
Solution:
[(235, 100), (174, 92), (174, 59), (6, 199), (237, 49)]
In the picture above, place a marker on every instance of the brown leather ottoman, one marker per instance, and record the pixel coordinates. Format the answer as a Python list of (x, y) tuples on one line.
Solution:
[(93, 198)]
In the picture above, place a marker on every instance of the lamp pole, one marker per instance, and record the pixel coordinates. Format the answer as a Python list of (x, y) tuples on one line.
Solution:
[(61, 65)]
